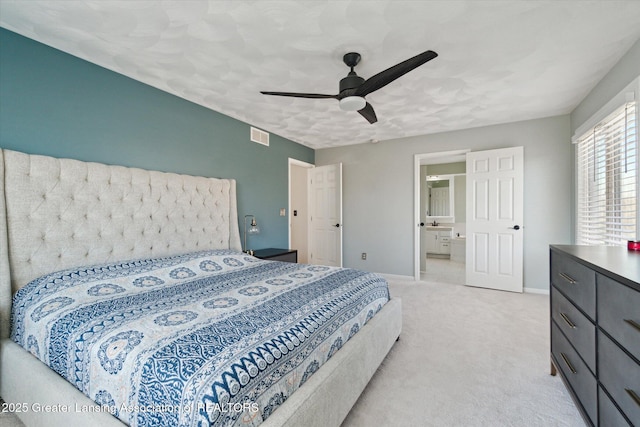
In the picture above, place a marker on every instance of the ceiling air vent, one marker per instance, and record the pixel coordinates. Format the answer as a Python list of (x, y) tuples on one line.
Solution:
[(259, 136)]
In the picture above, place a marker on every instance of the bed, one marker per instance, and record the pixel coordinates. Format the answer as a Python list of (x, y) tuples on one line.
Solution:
[(67, 219)]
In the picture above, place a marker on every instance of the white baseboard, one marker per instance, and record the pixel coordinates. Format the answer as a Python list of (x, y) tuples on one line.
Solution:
[(536, 291)]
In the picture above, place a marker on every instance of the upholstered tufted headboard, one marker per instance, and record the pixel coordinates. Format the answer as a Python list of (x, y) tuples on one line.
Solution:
[(62, 213)]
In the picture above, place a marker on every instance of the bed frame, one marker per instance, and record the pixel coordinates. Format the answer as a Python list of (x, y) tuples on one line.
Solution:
[(62, 213)]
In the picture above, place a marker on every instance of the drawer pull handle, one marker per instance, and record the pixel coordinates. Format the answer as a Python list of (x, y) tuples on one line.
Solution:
[(569, 322), (566, 360), (633, 395), (568, 278), (633, 323)]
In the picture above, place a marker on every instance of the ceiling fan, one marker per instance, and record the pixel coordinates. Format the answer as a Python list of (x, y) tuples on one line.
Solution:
[(354, 88)]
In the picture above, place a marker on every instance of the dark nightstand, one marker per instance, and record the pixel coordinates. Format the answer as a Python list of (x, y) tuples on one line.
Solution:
[(274, 254)]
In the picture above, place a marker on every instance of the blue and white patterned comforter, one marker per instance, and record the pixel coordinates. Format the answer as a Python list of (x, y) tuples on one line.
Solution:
[(210, 338)]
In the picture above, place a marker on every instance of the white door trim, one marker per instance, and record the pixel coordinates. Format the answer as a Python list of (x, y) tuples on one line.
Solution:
[(300, 163), (418, 160)]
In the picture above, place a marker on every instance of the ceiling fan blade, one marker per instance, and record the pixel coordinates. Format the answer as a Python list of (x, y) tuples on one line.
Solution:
[(368, 113), (385, 77), (300, 95)]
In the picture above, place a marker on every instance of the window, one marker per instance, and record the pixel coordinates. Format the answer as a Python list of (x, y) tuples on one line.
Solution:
[(607, 183)]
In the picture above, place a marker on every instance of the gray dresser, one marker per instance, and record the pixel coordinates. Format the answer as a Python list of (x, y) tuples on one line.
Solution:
[(595, 330)]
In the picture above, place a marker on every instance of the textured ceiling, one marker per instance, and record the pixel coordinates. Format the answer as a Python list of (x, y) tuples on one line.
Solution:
[(499, 61)]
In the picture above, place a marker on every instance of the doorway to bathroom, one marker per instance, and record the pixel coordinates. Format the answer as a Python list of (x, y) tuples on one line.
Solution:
[(493, 220), (440, 212)]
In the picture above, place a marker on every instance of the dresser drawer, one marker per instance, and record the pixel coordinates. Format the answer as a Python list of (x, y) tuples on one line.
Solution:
[(619, 313), (576, 281), (574, 370), (607, 412), (576, 327), (620, 376)]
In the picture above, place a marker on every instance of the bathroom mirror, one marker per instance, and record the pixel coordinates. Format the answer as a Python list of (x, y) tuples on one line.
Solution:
[(439, 198)]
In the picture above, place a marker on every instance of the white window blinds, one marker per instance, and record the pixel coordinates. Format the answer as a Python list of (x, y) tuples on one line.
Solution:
[(607, 168)]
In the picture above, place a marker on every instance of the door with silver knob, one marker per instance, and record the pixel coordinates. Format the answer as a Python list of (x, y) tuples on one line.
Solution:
[(495, 212), (326, 215)]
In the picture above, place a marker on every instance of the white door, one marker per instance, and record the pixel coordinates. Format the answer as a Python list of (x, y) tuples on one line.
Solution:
[(494, 219), (326, 215)]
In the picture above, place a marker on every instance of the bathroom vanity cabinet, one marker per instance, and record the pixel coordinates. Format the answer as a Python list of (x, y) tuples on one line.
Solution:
[(438, 241)]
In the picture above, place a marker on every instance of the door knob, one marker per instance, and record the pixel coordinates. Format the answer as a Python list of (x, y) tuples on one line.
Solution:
[(422, 224), (337, 225), (515, 227)]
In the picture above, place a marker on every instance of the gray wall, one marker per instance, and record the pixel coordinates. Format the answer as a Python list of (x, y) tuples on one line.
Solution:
[(378, 192), (623, 73), (385, 230)]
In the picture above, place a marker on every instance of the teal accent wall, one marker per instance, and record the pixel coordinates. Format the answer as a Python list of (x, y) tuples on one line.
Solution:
[(56, 104)]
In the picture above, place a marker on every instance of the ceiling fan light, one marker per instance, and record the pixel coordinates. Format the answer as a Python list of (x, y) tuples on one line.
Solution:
[(352, 103)]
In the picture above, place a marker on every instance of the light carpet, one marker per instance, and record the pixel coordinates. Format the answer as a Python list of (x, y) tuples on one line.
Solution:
[(466, 357)]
